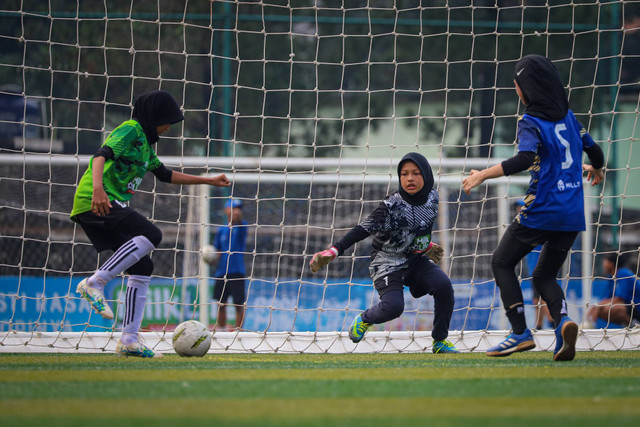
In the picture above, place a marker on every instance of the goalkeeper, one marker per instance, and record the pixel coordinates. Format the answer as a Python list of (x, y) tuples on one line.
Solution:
[(402, 254), (100, 207), (550, 144)]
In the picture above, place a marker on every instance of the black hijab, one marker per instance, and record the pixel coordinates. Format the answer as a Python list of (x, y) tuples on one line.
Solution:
[(421, 196), (542, 88), (153, 109)]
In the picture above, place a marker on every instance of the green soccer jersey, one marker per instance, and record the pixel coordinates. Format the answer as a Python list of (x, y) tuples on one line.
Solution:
[(132, 158)]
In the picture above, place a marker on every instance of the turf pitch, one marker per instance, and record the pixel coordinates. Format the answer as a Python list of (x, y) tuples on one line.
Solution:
[(527, 389)]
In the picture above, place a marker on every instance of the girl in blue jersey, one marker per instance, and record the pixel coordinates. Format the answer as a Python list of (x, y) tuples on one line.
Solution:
[(550, 145)]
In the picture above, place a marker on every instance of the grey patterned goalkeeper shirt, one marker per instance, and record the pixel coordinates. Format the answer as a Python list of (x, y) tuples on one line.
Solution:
[(401, 232)]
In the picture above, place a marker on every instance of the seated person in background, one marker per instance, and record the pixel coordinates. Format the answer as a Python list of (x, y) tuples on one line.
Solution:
[(623, 307)]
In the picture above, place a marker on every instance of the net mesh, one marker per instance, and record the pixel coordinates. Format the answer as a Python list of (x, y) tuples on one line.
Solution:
[(307, 106)]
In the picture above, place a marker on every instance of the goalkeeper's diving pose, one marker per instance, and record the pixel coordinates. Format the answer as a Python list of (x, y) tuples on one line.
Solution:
[(403, 253), (550, 145), (100, 207)]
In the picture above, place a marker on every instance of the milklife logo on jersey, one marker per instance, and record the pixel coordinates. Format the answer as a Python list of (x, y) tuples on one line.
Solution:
[(133, 185), (421, 243), (568, 185)]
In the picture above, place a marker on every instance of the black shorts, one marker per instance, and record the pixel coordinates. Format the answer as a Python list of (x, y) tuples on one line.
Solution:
[(232, 286), (113, 230), (558, 240)]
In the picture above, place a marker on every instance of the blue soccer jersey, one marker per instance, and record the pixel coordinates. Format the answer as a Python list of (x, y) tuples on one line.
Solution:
[(555, 198), (626, 287), (232, 243)]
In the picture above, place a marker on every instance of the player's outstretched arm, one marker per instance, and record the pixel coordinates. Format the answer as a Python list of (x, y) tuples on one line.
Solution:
[(356, 234), (320, 259), (184, 178), (477, 177)]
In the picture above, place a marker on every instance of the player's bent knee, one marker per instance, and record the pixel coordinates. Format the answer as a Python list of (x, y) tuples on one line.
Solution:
[(498, 264), (144, 267), (443, 288), (154, 234), (392, 309)]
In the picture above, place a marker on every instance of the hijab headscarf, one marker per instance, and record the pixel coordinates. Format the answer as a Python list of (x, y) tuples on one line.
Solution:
[(421, 196), (542, 88), (153, 109)]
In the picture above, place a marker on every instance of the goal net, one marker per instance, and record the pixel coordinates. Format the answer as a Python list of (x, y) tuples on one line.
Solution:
[(307, 106)]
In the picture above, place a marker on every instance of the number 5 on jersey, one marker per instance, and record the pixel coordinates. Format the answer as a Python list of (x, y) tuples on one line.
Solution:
[(567, 148)]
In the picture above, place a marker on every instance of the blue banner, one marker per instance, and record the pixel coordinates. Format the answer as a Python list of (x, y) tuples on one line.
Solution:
[(51, 304)]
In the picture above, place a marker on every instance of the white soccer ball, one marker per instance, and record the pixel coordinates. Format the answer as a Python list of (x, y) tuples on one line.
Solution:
[(210, 255), (191, 339)]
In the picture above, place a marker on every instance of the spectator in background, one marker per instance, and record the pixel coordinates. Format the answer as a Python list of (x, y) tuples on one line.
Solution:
[(622, 307), (231, 241), (530, 261)]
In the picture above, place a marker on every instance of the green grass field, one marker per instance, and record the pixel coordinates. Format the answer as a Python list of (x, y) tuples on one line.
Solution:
[(598, 388)]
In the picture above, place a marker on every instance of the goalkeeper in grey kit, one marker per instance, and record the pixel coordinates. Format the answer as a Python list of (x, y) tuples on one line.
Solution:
[(402, 254)]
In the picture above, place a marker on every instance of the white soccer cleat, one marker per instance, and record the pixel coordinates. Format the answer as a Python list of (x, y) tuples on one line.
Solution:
[(136, 349), (96, 299)]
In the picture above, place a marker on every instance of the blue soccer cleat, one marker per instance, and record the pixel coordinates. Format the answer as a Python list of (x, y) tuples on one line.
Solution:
[(566, 337), (358, 329), (513, 344), (444, 346)]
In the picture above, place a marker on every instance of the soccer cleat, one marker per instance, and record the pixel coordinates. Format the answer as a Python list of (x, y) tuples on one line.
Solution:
[(444, 346), (358, 329), (136, 349), (513, 344), (96, 299), (566, 337)]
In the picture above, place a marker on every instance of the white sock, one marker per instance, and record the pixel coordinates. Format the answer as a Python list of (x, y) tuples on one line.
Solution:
[(127, 255), (135, 300)]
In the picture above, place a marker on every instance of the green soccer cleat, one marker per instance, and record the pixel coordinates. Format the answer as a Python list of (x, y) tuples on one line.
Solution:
[(444, 346), (96, 299), (358, 329), (136, 349)]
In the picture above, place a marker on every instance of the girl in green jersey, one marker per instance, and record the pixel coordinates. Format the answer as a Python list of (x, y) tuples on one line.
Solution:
[(100, 207)]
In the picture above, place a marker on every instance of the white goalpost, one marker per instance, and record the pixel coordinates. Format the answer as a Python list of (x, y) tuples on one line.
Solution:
[(307, 106)]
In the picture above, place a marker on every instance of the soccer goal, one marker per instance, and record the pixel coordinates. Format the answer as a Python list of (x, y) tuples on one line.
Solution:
[(307, 106)]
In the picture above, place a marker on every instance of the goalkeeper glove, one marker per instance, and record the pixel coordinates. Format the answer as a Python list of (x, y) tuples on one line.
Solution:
[(435, 252), (320, 259)]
